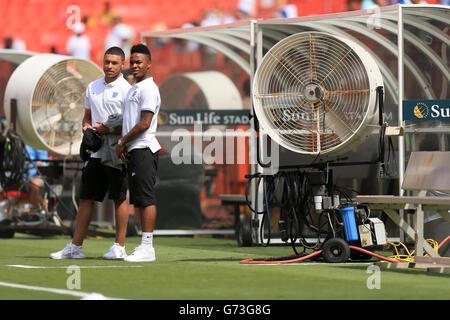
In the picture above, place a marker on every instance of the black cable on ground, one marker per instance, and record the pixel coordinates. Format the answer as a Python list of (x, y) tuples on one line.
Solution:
[(12, 161)]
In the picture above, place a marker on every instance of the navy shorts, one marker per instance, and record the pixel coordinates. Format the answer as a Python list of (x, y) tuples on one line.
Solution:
[(98, 179), (142, 177)]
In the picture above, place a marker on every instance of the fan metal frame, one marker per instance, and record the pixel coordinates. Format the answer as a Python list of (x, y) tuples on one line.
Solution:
[(315, 93)]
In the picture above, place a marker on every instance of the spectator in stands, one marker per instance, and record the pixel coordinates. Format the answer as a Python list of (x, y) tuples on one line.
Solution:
[(89, 21), (107, 15), (182, 45), (381, 3), (368, 4), (353, 5), (286, 9), (18, 42), (7, 43), (13, 43), (246, 9), (120, 36), (55, 50), (410, 2), (210, 19), (78, 44)]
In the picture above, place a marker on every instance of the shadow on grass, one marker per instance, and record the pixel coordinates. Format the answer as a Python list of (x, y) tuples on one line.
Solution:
[(408, 271)]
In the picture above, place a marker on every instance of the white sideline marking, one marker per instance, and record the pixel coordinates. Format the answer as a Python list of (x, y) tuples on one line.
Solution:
[(65, 267), (82, 295)]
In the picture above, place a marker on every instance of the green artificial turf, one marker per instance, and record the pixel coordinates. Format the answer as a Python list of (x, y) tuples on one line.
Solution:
[(189, 268)]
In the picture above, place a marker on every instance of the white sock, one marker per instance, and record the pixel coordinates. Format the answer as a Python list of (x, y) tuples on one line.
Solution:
[(147, 238)]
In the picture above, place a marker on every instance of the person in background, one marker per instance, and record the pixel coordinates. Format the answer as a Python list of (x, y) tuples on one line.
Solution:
[(381, 3), (105, 98), (34, 180), (7, 43), (286, 9), (15, 43), (410, 2), (368, 4), (353, 5), (78, 44), (121, 35), (128, 76), (246, 9), (107, 15)]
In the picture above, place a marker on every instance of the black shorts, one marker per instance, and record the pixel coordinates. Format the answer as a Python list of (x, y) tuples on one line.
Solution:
[(142, 177), (98, 179)]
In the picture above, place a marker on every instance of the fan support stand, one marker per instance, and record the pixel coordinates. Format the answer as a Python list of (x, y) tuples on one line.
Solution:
[(324, 176)]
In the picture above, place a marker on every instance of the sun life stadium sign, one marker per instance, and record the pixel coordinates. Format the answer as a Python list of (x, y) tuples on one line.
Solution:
[(423, 110), (206, 117)]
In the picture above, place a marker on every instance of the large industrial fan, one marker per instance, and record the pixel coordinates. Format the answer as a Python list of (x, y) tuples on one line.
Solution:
[(48, 92), (315, 93)]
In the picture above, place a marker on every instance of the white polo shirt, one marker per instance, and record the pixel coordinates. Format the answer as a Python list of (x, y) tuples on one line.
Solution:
[(143, 96), (104, 99)]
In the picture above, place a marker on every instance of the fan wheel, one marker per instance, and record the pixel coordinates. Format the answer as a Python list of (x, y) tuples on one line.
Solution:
[(336, 250), (244, 235)]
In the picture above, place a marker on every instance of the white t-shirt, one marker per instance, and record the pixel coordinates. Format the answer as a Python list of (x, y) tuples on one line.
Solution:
[(79, 47), (247, 6), (289, 11), (118, 33), (143, 96), (104, 99)]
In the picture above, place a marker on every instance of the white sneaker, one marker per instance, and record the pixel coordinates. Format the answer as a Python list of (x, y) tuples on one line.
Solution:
[(142, 253), (115, 252), (69, 252)]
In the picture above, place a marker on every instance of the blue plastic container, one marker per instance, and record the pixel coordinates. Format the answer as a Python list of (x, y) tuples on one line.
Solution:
[(348, 215)]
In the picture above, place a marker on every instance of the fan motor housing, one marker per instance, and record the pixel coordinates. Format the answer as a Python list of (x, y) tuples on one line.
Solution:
[(316, 93), (49, 90)]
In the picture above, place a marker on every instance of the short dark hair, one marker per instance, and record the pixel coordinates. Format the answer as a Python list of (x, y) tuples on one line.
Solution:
[(141, 48), (116, 51)]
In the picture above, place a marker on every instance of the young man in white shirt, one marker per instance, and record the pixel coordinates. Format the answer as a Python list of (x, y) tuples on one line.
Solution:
[(105, 97), (139, 147)]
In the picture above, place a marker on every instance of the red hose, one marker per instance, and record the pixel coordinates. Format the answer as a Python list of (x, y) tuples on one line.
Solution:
[(443, 242), (263, 261), (373, 254)]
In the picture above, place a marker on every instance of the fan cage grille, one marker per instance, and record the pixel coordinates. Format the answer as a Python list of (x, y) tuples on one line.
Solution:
[(313, 91), (58, 102)]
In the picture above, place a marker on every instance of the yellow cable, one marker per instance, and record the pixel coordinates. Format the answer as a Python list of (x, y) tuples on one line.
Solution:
[(409, 256)]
